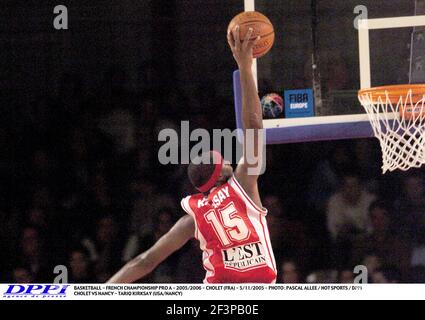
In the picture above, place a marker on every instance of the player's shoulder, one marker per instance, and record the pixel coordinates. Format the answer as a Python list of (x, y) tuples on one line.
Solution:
[(193, 196), (241, 193), (188, 201), (236, 185), (232, 180)]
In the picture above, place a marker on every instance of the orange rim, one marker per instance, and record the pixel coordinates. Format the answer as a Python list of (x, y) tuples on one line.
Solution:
[(395, 92)]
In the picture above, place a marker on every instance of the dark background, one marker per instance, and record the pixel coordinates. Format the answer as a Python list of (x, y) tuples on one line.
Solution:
[(80, 183)]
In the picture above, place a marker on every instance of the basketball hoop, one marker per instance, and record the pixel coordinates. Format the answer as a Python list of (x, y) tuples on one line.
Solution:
[(397, 116)]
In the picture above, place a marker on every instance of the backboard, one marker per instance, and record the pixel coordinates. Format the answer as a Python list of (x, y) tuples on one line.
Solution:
[(335, 48)]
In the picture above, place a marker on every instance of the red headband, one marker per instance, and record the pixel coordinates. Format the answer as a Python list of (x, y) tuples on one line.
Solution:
[(218, 161)]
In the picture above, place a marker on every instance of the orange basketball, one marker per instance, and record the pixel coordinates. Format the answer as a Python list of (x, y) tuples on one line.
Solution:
[(261, 26)]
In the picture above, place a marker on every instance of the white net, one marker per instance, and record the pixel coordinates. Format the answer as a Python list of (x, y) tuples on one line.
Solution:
[(398, 121)]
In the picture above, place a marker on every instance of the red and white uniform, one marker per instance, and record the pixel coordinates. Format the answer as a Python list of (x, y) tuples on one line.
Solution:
[(233, 235)]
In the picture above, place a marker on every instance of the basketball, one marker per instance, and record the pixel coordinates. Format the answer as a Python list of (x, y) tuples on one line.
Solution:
[(261, 26), (272, 105)]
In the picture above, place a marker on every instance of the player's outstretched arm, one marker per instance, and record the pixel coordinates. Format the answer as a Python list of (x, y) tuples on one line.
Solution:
[(252, 116), (144, 263)]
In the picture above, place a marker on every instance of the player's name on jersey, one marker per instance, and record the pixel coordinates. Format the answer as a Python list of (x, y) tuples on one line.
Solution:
[(217, 199)]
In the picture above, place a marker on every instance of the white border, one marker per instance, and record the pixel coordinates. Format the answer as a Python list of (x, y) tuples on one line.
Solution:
[(309, 121), (364, 44)]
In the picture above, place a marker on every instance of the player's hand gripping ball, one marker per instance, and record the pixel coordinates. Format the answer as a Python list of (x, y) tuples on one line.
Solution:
[(272, 105), (261, 26)]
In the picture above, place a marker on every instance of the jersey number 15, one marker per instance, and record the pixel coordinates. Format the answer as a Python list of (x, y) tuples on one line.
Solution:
[(227, 224)]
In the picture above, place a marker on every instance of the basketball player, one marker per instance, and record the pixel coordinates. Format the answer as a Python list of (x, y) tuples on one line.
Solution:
[(227, 216)]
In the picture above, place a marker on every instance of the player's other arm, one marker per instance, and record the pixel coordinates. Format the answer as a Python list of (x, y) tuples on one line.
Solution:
[(143, 264), (252, 117)]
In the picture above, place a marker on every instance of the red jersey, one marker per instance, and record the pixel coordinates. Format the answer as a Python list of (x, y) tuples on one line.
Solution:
[(233, 235)]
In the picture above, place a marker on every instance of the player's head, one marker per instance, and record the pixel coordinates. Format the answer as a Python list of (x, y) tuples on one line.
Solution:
[(209, 170)]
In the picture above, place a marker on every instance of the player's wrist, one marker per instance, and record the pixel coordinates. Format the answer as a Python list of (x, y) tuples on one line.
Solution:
[(247, 69)]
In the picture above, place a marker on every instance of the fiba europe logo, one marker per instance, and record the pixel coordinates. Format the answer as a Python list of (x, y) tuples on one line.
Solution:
[(36, 291)]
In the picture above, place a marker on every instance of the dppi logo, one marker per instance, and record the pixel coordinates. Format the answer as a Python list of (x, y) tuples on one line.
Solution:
[(36, 291)]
